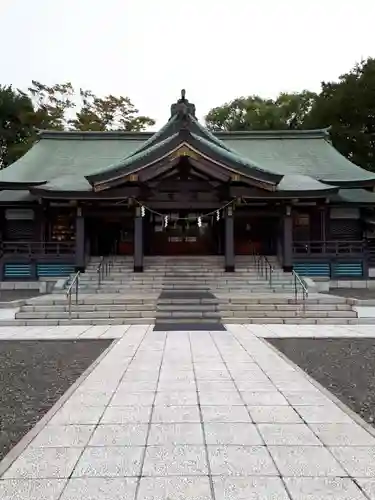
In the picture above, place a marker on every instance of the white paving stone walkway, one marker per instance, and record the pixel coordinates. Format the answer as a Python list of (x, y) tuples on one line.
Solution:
[(194, 416)]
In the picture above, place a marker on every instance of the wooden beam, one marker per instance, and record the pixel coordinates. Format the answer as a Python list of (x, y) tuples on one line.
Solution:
[(177, 205), (157, 170), (190, 185), (210, 169)]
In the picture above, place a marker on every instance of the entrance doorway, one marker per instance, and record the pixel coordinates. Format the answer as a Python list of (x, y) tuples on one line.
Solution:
[(257, 233), (110, 235), (183, 235)]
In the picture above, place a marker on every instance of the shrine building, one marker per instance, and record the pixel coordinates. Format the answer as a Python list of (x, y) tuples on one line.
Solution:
[(186, 191)]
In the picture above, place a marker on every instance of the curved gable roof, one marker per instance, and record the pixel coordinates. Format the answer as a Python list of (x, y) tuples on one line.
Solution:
[(66, 160)]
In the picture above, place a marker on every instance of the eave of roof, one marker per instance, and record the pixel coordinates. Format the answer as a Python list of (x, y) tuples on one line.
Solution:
[(303, 184), (273, 155), (221, 135), (160, 150), (355, 196), (17, 196)]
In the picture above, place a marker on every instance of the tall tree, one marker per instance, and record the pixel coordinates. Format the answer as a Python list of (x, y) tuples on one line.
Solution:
[(51, 104), (289, 110), (348, 107), (16, 125), (61, 107), (108, 113)]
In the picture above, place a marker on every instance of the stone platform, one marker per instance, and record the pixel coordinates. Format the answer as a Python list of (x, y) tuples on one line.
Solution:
[(208, 415)]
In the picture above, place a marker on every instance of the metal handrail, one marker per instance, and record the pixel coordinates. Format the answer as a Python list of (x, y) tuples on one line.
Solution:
[(101, 270), (299, 283), (105, 266), (75, 281), (263, 266)]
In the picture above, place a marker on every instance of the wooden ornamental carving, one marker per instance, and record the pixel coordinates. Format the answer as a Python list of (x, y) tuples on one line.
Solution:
[(184, 151)]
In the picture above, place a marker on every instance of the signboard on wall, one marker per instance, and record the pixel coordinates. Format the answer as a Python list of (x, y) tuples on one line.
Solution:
[(345, 213), (19, 214)]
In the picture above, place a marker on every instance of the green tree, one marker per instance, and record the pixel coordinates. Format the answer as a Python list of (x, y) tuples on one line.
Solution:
[(289, 110), (51, 104), (61, 107), (348, 108), (16, 125), (108, 113)]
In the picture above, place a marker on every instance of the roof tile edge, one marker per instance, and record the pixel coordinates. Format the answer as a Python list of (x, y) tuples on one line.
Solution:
[(143, 136), (275, 134), (82, 135)]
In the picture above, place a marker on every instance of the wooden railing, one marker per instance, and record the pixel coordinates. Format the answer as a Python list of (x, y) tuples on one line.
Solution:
[(329, 247), (37, 248)]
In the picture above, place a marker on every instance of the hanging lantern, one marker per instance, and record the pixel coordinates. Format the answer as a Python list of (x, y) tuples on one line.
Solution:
[(166, 221), (199, 221), (143, 211), (217, 215)]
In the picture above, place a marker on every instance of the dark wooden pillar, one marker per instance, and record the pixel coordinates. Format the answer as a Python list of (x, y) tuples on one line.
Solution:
[(323, 223), (288, 240), (138, 241), (80, 240), (229, 240), (38, 223)]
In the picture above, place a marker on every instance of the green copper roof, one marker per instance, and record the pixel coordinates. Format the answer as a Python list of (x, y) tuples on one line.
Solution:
[(17, 196), (358, 196), (141, 153), (66, 153), (300, 182), (64, 158), (293, 152)]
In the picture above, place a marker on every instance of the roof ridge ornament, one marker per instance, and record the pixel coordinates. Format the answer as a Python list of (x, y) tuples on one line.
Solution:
[(183, 107)]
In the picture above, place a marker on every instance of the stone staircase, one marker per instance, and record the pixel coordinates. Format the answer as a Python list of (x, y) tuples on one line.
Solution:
[(189, 292), (183, 273)]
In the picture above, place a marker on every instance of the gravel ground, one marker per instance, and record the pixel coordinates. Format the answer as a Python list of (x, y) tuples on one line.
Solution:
[(33, 376), (10, 295), (354, 293), (345, 366)]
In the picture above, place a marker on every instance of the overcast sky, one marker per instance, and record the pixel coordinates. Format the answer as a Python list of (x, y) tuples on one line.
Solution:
[(216, 49)]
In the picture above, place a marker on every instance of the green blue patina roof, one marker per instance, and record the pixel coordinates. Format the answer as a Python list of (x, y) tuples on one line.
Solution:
[(356, 196), (63, 159)]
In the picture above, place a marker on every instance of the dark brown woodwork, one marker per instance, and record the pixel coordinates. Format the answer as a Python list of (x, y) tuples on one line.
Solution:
[(190, 185), (188, 205), (157, 170), (212, 170)]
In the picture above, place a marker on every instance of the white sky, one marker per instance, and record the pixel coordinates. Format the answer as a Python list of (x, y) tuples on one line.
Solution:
[(216, 49)]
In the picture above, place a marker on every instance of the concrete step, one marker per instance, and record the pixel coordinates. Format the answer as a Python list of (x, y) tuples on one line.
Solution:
[(178, 271), (192, 320), (74, 321), (187, 307), (88, 307), (296, 321), (187, 314), (94, 299), (288, 314), (285, 307), (86, 315), (190, 281)]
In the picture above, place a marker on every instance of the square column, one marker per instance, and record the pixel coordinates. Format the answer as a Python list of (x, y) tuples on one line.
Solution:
[(138, 241), (229, 240), (80, 240), (288, 240)]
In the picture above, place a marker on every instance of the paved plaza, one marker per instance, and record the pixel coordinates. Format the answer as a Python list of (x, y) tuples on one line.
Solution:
[(193, 416)]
